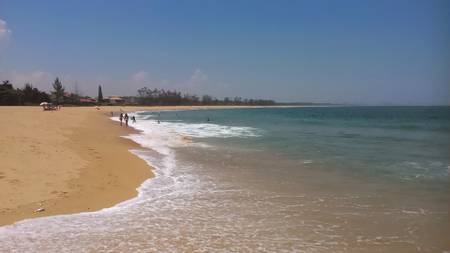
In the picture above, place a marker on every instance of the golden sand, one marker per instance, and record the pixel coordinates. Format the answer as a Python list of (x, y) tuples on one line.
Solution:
[(66, 161)]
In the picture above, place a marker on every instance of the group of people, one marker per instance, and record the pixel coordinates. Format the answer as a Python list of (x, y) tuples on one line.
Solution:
[(124, 117)]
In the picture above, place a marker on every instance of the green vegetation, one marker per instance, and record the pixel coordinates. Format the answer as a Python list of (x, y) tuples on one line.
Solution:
[(29, 95), (58, 91), (26, 96), (148, 96)]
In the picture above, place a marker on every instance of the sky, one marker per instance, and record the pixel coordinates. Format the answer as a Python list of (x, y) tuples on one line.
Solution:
[(356, 52)]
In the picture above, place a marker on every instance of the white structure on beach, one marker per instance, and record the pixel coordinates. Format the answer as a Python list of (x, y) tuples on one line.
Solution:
[(114, 100)]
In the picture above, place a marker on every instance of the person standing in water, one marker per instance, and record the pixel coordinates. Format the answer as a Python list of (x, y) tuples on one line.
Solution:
[(120, 118), (126, 119), (133, 119)]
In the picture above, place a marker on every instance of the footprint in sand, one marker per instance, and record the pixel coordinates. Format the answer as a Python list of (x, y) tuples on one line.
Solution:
[(14, 181)]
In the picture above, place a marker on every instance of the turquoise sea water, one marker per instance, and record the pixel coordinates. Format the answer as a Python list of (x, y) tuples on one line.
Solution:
[(400, 143), (309, 179)]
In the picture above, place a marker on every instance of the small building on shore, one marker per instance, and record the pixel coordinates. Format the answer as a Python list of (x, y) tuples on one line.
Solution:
[(88, 100), (114, 100), (130, 100)]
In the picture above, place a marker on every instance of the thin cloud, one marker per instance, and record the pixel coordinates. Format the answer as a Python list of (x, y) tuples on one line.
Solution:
[(38, 78), (192, 83), (198, 78), (140, 77), (4, 31)]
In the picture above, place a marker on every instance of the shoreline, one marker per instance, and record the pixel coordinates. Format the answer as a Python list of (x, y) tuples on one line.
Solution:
[(226, 185), (70, 161)]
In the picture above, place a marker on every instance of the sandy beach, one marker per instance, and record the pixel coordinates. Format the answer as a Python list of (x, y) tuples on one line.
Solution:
[(65, 161)]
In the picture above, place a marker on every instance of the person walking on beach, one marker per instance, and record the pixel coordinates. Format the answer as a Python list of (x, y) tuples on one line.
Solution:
[(126, 119), (121, 117)]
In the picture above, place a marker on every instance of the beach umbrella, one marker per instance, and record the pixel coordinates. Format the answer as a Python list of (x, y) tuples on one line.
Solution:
[(43, 103)]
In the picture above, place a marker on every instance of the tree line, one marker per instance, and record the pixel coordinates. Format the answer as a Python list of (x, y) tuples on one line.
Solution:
[(29, 95), (155, 96)]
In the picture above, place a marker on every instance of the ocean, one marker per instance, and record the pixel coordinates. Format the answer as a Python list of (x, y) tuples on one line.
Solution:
[(303, 179)]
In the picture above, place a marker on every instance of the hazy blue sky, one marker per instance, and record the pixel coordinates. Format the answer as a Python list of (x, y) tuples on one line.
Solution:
[(372, 52)]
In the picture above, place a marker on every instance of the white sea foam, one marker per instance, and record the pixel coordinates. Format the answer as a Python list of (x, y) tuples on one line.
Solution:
[(194, 130), (165, 135)]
